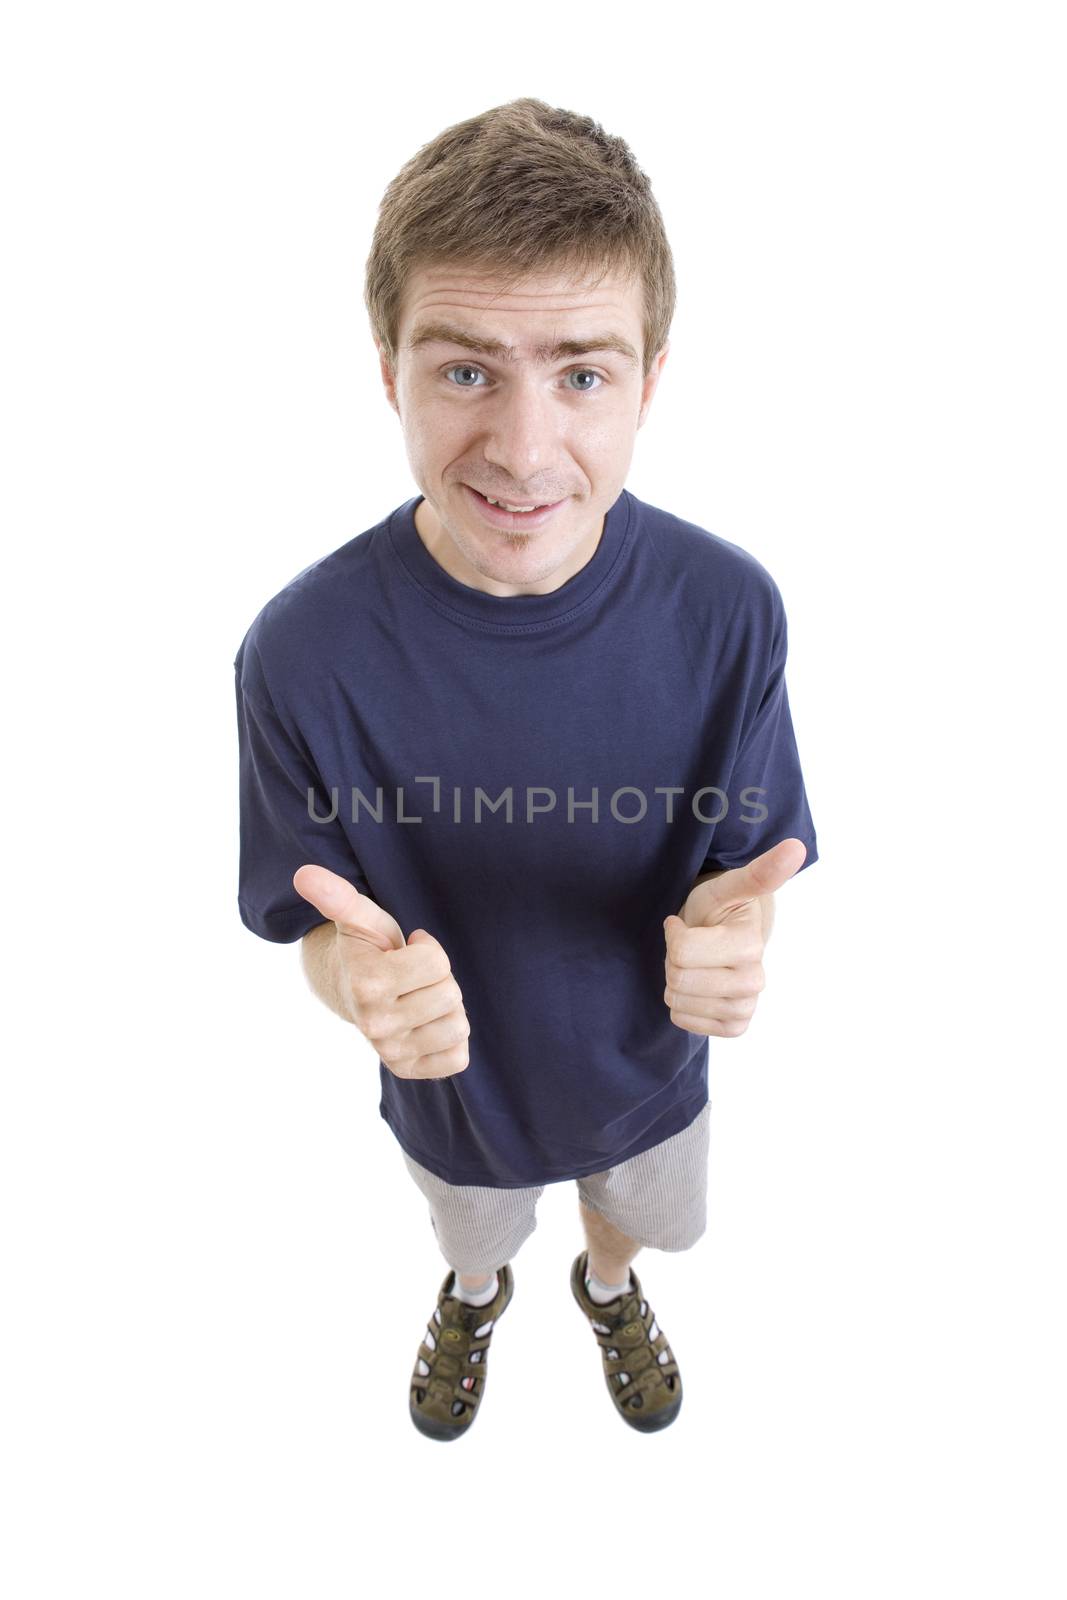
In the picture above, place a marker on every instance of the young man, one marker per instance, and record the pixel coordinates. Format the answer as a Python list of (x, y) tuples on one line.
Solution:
[(517, 763)]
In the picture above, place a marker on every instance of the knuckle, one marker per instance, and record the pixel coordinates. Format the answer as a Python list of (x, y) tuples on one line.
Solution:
[(397, 1054), (368, 988), (370, 1022), (440, 966), (359, 1015), (458, 1034), (446, 1062)]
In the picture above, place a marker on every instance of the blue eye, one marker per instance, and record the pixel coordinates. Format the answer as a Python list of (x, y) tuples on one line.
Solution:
[(476, 372), (464, 368), (584, 372)]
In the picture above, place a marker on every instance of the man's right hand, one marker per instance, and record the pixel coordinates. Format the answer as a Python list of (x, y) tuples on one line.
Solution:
[(401, 996)]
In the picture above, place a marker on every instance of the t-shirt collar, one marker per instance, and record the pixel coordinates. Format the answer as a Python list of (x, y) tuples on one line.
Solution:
[(509, 611)]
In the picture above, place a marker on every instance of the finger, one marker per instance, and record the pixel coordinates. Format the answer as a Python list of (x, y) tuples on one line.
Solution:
[(438, 1064), (726, 983), (441, 1033), (709, 1029), (725, 944), (423, 961), (426, 1002), (356, 915), (764, 875), (712, 1009)]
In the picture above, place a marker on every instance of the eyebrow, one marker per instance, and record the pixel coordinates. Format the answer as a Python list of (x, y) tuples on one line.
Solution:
[(477, 344)]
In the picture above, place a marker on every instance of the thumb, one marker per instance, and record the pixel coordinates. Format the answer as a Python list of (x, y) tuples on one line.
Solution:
[(357, 916), (762, 876)]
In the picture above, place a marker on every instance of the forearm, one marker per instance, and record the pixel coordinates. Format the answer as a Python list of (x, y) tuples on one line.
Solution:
[(320, 959)]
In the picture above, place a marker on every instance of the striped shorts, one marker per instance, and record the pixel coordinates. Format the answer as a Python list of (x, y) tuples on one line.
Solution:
[(657, 1198)]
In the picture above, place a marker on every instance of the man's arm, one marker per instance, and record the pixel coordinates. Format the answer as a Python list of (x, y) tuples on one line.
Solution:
[(766, 901), (321, 961)]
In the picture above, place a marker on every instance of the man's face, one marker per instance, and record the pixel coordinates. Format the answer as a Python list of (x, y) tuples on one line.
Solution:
[(491, 407)]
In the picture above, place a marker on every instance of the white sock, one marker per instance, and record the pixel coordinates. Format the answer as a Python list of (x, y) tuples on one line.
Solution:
[(477, 1297), (603, 1293)]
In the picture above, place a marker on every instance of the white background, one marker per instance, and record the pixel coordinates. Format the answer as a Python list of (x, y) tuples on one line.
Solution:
[(215, 1268)]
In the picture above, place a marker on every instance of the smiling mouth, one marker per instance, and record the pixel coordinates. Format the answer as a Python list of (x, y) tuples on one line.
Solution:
[(498, 516), (515, 507)]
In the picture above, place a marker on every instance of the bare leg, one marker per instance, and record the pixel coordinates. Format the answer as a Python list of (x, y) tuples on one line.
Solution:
[(610, 1252)]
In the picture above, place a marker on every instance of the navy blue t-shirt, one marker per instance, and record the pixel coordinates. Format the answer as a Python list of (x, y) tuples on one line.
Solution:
[(458, 742)]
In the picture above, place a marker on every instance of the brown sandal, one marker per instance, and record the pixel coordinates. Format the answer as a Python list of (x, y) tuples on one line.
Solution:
[(449, 1378), (639, 1366)]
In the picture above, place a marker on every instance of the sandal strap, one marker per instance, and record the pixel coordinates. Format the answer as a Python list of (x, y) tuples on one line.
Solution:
[(450, 1365), (638, 1354)]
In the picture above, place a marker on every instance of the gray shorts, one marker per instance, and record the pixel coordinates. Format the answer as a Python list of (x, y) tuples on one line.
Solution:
[(657, 1198)]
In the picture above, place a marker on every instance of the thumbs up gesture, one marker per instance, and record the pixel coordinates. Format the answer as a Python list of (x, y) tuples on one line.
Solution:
[(714, 961), (401, 995)]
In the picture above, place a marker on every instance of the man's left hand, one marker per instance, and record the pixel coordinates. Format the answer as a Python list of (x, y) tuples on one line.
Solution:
[(715, 947)]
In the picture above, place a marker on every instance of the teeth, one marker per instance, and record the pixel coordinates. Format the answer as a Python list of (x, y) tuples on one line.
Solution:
[(505, 507)]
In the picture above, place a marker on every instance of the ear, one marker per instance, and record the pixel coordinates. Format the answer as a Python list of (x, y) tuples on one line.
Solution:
[(648, 388)]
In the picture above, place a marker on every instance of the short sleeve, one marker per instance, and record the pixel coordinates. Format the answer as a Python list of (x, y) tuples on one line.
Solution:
[(767, 775), (278, 832)]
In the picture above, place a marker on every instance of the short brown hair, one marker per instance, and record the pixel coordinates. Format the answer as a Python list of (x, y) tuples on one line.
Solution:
[(522, 188)]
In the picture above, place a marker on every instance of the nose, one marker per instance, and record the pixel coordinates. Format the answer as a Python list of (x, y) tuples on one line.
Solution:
[(521, 436)]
